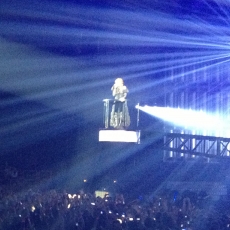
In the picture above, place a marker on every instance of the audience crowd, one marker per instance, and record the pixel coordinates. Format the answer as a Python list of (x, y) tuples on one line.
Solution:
[(59, 210)]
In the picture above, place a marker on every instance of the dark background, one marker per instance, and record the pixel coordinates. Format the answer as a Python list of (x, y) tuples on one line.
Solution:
[(58, 61)]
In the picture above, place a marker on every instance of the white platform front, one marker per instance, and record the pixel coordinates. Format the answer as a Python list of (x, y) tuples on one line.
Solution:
[(119, 136)]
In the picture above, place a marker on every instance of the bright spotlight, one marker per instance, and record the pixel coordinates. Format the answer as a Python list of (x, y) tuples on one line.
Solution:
[(188, 119)]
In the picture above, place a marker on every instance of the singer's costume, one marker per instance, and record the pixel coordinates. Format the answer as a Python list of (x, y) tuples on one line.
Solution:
[(119, 118)]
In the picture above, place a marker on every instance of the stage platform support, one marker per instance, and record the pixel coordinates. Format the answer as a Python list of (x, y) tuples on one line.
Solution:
[(119, 136), (177, 145)]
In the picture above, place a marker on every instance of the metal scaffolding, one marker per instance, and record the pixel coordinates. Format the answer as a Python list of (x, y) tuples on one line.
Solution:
[(179, 145)]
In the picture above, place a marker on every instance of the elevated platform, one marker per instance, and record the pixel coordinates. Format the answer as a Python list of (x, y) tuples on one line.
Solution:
[(119, 136)]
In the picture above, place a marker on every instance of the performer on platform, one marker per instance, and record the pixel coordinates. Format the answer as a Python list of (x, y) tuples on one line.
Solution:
[(120, 118)]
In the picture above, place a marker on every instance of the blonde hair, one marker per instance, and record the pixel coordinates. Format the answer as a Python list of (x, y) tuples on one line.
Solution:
[(119, 81)]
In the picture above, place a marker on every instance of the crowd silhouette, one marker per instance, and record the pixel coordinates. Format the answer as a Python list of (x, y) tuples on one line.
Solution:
[(52, 209)]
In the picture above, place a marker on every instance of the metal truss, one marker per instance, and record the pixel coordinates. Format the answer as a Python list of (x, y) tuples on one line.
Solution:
[(197, 145)]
